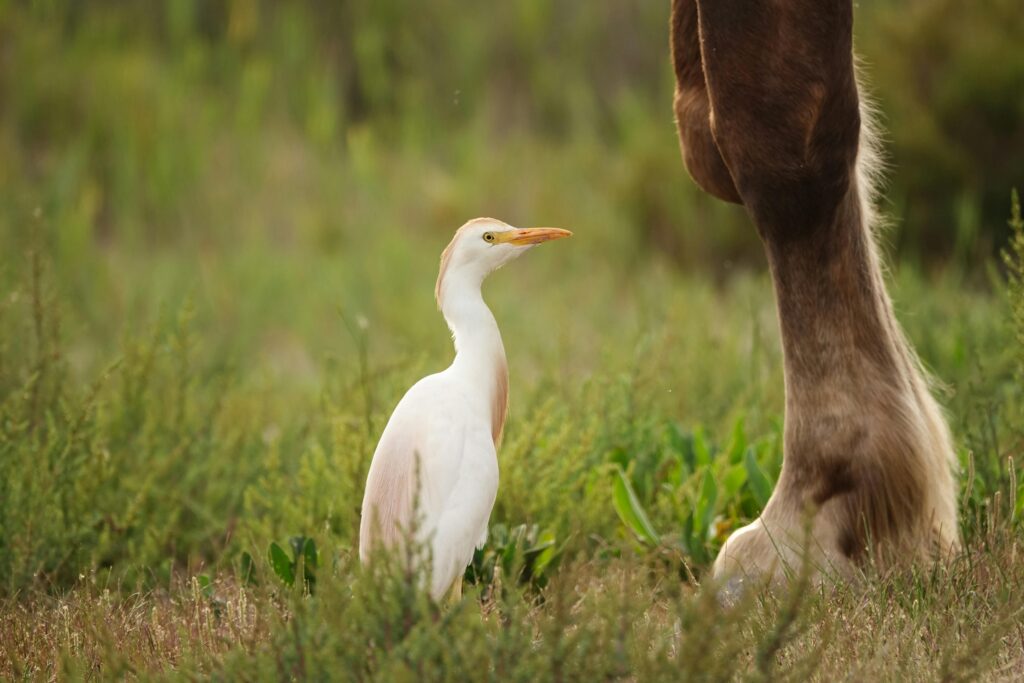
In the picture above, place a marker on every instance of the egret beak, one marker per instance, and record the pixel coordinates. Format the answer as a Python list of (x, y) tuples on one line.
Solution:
[(528, 236)]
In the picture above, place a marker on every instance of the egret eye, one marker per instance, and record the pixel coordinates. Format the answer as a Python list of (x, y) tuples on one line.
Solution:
[(488, 237)]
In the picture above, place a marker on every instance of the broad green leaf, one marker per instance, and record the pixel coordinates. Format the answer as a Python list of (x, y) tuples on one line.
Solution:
[(705, 506), (739, 442), (508, 553), (687, 530), (629, 509), (282, 566), (248, 568), (682, 442), (760, 486), (733, 480), (205, 585), (546, 547), (619, 457), (544, 541), (309, 562), (701, 450), (692, 542), (310, 555)]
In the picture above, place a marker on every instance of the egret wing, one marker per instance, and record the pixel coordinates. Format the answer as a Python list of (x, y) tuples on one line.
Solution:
[(414, 467), (435, 464), (462, 515)]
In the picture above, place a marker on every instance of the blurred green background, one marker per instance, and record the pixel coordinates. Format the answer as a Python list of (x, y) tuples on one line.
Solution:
[(220, 224), (203, 124)]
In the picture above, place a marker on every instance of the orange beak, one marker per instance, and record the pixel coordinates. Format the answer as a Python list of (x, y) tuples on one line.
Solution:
[(527, 236)]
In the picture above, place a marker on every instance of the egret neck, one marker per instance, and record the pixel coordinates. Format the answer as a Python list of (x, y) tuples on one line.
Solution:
[(479, 363)]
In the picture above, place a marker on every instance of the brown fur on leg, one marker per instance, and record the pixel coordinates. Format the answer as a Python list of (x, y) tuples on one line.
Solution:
[(693, 111), (867, 452)]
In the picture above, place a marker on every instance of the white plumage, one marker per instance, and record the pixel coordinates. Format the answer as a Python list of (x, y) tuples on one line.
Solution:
[(444, 432)]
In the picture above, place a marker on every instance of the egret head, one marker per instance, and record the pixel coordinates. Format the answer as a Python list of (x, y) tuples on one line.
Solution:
[(483, 245)]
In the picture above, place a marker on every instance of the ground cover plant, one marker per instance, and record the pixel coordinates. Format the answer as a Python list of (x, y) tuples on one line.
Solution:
[(219, 248)]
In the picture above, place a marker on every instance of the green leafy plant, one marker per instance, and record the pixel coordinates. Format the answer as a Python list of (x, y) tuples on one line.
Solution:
[(303, 561), (630, 511), (524, 553), (708, 488)]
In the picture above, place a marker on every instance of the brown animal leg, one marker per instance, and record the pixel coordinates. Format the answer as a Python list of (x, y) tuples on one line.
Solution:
[(867, 452), (693, 110)]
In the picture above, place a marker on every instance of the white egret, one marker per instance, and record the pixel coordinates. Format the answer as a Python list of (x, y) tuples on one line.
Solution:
[(438, 450)]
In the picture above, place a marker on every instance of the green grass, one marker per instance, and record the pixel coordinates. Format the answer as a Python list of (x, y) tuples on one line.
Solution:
[(137, 475), (217, 282)]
